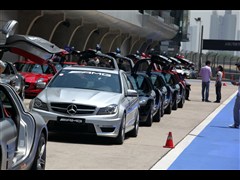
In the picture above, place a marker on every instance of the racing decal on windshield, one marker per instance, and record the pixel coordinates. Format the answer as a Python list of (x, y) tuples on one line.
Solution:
[(92, 72)]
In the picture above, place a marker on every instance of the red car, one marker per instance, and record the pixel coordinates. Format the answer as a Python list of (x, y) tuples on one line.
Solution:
[(34, 73)]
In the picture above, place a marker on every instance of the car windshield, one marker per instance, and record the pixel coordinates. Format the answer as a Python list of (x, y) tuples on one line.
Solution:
[(34, 68), (59, 66), (87, 79)]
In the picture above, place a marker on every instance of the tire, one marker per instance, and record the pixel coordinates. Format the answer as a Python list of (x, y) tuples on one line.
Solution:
[(134, 132), (149, 119), (121, 134), (40, 157), (175, 105), (157, 116), (162, 111), (180, 104), (168, 110)]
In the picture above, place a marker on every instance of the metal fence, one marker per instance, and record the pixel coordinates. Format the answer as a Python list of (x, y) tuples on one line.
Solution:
[(227, 61)]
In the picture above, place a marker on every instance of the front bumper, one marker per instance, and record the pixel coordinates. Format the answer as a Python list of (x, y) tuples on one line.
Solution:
[(101, 125)]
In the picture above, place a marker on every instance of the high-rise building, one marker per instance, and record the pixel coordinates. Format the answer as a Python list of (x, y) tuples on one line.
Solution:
[(238, 38), (223, 27), (229, 25), (214, 26)]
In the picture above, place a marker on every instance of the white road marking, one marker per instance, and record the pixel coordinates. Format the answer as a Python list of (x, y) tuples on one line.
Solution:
[(171, 156)]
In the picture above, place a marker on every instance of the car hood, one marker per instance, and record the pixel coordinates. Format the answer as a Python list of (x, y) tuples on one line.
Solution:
[(33, 77), (83, 96)]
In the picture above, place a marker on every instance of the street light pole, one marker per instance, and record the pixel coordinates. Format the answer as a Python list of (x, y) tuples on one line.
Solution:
[(201, 47), (199, 42)]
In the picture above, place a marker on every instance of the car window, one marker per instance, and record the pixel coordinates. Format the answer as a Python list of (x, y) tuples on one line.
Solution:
[(156, 81), (161, 76), (11, 69), (6, 103), (141, 83), (7, 70), (87, 80), (58, 67), (18, 66), (35, 68), (128, 82), (143, 66), (134, 84)]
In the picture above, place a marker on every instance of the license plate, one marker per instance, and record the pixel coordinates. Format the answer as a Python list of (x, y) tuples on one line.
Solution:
[(71, 120)]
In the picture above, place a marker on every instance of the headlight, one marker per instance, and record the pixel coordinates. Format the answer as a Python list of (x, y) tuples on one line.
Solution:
[(40, 80), (111, 109), (38, 104), (40, 84), (142, 101)]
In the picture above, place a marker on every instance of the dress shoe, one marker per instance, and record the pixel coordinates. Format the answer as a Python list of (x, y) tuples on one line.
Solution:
[(233, 126), (207, 101)]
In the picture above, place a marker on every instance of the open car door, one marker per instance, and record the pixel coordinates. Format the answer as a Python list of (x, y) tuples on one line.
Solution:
[(35, 48), (91, 56), (124, 63), (8, 136), (148, 63)]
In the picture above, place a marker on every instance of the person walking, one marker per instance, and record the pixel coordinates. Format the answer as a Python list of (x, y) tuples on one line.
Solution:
[(236, 108), (218, 83), (206, 74)]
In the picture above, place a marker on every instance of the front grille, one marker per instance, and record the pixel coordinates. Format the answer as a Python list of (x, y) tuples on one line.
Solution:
[(27, 85), (81, 109)]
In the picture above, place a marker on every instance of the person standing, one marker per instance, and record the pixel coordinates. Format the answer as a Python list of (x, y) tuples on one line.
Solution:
[(236, 108), (218, 84), (206, 74)]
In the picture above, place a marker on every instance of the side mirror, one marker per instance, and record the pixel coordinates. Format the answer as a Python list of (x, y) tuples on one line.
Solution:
[(131, 93), (9, 28)]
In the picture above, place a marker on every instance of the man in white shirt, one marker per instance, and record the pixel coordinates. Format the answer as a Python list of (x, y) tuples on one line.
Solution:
[(206, 74), (236, 109)]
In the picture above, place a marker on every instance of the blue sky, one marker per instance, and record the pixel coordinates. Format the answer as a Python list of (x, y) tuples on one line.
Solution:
[(205, 16)]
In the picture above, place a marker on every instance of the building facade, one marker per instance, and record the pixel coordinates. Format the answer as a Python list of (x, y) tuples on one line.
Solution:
[(129, 30)]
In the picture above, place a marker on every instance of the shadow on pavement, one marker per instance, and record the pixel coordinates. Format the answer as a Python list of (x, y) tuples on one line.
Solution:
[(79, 138)]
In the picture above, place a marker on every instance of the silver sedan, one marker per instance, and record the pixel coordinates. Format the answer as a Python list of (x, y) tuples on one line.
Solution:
[(91, 100)]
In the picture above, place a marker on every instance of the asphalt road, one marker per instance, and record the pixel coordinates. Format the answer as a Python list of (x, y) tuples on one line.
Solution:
[(78, 152)]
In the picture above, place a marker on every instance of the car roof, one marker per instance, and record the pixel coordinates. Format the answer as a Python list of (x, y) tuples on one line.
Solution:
[(93, 68)]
